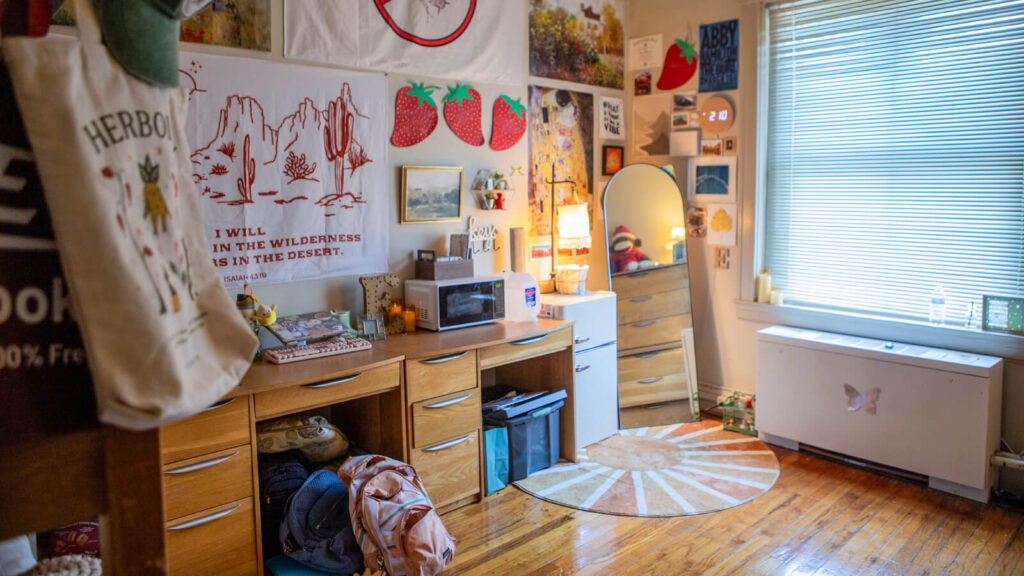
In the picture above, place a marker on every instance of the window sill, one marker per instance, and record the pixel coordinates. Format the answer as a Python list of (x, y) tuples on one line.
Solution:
[(1006, 346)]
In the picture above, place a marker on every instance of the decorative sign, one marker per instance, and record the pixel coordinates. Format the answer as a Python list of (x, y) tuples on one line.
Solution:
[(290, 165), (611, 119), (719, 56), (716, 115), (481, 238)]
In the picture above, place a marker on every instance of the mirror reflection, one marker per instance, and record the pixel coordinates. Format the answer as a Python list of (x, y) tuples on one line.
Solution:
[(646, 239)]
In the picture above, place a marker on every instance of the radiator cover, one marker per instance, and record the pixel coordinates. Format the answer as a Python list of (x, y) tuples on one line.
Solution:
[(937, 413)]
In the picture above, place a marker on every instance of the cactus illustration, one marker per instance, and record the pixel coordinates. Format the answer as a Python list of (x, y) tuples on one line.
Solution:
[(248, 175), (156, 207), (337, 138)]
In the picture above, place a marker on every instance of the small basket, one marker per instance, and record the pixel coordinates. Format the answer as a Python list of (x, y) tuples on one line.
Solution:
[(571, 280)]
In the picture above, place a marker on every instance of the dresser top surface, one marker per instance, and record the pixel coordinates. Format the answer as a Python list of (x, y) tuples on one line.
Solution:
[(425, 344)]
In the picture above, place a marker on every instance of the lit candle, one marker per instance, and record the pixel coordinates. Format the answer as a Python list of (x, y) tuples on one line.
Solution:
[(410, 319)]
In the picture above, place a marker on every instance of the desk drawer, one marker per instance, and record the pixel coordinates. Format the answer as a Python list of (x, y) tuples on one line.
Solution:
[(432, 377), (207, 481), (439, 418), (219, 540), (656, 414), (224, 425), (651, 281), (653, 332), (652, 377), (450, 470), (346, 387), (650, 306), (526, 348)]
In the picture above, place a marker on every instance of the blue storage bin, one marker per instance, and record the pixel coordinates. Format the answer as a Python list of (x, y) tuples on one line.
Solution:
[(532, 439), (496, 458)]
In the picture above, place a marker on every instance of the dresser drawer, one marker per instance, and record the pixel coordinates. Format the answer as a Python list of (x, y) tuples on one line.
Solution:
[(445, 417), (432, 377), (652, 377), (220, 541), (346, 387), (651, 281), (450, 470), (656, 414), (650, 306), (207, 481), (653, 332), (526, 348), (223, 425)]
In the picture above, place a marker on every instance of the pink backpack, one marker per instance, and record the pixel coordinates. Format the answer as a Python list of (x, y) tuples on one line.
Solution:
[(393, 519)]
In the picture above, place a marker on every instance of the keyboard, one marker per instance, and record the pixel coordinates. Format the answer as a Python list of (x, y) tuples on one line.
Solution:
[(329, 347)]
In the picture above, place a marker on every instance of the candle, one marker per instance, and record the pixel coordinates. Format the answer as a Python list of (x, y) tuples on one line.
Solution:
[(410, 319), (776, 297)]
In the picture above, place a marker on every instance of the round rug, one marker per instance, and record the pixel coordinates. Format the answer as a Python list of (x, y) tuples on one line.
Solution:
[(664, 471)]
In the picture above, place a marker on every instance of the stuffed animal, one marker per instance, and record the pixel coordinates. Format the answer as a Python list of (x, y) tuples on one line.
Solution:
[(625, 251), (265, 315)]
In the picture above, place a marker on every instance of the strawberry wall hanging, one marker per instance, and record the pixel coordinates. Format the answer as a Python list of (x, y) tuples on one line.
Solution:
[(680, 65), (463, 113), (508, 123), (415, 115)]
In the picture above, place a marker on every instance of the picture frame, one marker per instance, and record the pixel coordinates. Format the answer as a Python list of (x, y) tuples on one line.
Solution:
[(431, 194), (611, 159), (729, 145), (1003, 314), (712, 179)]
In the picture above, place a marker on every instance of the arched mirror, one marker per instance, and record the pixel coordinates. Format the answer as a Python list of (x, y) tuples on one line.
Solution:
[(647, 265)]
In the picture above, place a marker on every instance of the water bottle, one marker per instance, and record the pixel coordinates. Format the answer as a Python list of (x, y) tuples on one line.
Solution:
[(937, 310), (523, 296)]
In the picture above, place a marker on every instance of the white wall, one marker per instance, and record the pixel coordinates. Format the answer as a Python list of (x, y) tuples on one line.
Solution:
[(726, 328)]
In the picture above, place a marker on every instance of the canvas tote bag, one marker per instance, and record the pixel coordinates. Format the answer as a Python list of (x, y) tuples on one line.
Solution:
[(162, 338)]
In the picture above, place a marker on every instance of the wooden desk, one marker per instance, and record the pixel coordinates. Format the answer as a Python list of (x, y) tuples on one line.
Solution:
[(414, 397)]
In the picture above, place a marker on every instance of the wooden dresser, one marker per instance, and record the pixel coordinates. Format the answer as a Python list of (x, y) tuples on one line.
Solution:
[(415, 398), (653, 312)]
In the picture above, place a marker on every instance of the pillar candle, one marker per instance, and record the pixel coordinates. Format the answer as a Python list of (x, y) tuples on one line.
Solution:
[(410, 319)]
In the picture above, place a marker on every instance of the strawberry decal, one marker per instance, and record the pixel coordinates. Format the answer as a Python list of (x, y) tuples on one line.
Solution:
[(680, 65), (415, 115), (509, 123), (463, 111)]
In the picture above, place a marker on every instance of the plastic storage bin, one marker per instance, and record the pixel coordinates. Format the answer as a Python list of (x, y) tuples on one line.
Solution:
[(496, 458), (532, 439)]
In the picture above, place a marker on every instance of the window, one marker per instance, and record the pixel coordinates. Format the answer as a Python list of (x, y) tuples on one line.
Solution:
[(894, 153)]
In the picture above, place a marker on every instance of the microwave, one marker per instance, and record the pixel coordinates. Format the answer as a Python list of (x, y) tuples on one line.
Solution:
[(457, 303)]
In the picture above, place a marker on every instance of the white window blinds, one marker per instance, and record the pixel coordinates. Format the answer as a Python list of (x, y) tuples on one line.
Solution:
[(895, 153)]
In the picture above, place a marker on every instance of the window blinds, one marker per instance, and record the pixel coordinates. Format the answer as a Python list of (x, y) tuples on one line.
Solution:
[(895, 153)]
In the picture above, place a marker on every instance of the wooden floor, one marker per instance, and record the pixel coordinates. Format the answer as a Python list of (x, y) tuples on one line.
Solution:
[(820, 518)]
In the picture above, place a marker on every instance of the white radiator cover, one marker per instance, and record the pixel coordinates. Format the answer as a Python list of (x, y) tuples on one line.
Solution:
[(938, 413)]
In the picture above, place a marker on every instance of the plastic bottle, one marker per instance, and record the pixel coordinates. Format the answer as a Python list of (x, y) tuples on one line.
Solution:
[(937, 309), (523, 296)]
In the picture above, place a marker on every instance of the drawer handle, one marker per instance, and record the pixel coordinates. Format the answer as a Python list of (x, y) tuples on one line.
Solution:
[(449, 402), (648, 355), (650, 380), (582, 368), (448, 444), (330, 383), (581, 339), (654, 406), (641, 299), (530, 340), (204, 519), (443, 359), (644, 324), (219, 404), (201, 465)]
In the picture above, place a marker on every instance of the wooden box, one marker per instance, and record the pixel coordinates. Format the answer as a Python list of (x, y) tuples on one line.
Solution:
[(434, 270)]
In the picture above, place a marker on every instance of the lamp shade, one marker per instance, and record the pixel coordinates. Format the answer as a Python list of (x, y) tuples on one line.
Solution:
[(573, 226)]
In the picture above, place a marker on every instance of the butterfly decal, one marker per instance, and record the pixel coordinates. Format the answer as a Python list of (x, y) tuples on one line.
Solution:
[(856, 401)]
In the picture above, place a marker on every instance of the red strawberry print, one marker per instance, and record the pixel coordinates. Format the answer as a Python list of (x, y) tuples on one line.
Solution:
[(463, 111), (508, 124), (680, 65), (415, 115)]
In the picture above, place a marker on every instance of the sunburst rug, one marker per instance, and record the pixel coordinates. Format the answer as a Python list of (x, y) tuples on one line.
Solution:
[(663, 471)]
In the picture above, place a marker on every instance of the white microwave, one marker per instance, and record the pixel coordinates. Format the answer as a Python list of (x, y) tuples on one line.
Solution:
[(449, 304)]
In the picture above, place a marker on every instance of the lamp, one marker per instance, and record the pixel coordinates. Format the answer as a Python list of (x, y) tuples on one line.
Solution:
[(677, 245), (573, 226)]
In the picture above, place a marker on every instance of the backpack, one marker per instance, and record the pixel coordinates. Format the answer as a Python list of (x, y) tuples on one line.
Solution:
[(316, 530), (281, 475), (391, 512)]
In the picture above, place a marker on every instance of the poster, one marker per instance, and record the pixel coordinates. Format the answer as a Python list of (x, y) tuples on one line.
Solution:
[(719, 56), (611, 119), (577, 41), (233, 23), (645, 52), (457, 39), (561, 153), (286, 191), (651, 125), (721, 224)]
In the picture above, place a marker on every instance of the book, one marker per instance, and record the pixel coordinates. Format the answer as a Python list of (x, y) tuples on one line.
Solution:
[(310, 327)]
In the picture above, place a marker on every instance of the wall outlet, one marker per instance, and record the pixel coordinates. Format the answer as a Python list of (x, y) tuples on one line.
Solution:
[(722, 258)]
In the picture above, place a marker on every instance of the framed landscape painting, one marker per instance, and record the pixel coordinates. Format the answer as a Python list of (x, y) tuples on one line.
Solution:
[(431, 194)]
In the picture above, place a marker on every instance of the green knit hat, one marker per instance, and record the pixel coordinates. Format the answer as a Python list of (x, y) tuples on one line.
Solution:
[(142, 35)]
